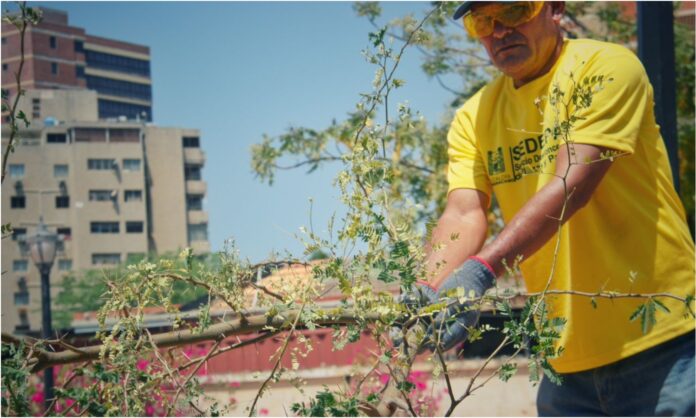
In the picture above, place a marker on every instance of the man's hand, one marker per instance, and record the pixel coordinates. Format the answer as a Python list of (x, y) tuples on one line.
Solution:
[(420, 296), (469, 282)]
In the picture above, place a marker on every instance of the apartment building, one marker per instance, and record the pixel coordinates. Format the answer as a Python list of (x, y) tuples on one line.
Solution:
[(60, 56), (112, 189)]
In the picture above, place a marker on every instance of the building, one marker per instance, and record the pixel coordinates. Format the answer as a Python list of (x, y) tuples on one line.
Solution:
[(112, 185), (60, 56), (112, 189)]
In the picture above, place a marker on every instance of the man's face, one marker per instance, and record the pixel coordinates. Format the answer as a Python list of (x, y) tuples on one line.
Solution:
[(523, 52)]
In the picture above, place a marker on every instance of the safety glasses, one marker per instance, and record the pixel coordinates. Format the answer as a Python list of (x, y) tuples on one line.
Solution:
[(481, 22)]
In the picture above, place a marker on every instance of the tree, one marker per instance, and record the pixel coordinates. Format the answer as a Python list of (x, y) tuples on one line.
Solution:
[(391, 183)]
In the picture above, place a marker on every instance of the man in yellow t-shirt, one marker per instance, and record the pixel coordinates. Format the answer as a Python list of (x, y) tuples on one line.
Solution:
[(624, 227)]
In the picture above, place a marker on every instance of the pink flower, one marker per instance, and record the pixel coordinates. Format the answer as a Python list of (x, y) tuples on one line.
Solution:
[(69, 402), (235, 384), (38, 397), (421, 385), (142, 364), (384, 378), (263, 411), (149, 410)]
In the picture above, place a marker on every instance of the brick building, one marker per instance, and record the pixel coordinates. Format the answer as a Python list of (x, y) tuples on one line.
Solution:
[(60, 56)]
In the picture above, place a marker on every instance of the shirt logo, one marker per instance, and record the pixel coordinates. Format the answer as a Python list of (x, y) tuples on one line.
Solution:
[(496, 162)]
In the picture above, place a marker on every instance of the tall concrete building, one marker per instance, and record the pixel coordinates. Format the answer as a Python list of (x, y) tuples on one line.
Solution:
[(111, 184), (60, 56)]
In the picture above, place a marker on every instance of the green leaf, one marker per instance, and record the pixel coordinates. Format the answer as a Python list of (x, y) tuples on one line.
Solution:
[(661, 306)]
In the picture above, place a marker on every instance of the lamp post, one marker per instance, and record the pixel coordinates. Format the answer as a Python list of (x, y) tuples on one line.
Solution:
[(42, 247)]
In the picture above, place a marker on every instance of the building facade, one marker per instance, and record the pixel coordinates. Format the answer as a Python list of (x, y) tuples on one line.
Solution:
[(112, 190), (112, 185), (60, 56)]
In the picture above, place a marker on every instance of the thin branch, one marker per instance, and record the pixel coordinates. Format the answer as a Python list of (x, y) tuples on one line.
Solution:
[(278, 360)]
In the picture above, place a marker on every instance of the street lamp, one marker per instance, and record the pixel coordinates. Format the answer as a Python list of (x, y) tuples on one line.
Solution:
[(42, 248)]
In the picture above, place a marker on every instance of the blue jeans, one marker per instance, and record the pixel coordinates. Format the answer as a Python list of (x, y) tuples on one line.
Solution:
[(656, 382)]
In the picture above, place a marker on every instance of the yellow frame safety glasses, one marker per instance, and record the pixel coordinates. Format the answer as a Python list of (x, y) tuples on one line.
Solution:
[(481, 22)]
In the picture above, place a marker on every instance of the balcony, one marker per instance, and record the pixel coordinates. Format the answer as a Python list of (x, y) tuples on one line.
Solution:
[(197, 217), (196, 187), (194, 156)]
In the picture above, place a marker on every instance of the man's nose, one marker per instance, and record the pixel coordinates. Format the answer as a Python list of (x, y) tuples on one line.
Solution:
[(500, 30)]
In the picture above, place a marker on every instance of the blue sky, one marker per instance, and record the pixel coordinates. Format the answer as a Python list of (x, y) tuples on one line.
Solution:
[(239, 70)]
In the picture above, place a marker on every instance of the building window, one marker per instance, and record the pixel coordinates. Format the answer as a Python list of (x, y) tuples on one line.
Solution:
[(65, 265), (101, 164), (90, 135), (104, 227), (21, 297), (53, 42), (134, 227), (113, 109), (79, 71), (19, 234), (191, 142), (106, 258), (119, 88), (62, 202), (65, 233), (197, 232), (192, 172), (18, 202), (101, 195), (20, 265), (117, 63), (5, 67), (194, 202), (54, 68), (16, 171), (56, 138), (133, 196), (4, 40), (79, 46), (60, 170), (131, 164), (124, 135)]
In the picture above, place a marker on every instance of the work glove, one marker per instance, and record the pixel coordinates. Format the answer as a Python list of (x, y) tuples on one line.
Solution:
[(470, 281), (420, 295)]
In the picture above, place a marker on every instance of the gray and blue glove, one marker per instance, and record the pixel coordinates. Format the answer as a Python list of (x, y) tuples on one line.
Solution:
[(471, 281), (420, 296)]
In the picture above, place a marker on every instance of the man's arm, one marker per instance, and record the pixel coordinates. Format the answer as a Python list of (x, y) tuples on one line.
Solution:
[(537, 221), (465, 219)]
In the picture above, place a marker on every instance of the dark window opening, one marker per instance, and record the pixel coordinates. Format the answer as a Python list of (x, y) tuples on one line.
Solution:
[(191, 142), (132, 196), (17, 202), (65, 232), (119, 87), (194, 202), (104, 227), (79, 46), (79, 71), (5, 67), (62, 202), (90, 135), (134, 227), (54, 68), (53, 42), (192, 172), (56, 138), (101, 164)]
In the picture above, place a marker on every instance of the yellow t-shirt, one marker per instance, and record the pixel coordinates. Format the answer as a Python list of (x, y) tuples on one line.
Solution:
[(631, 237)]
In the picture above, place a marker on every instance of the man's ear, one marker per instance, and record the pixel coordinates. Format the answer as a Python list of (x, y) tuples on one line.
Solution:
[(557, 10)]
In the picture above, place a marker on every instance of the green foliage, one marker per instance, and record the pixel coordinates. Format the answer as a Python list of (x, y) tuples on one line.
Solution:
[(328, 404), (646, 314), (15, 381)]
